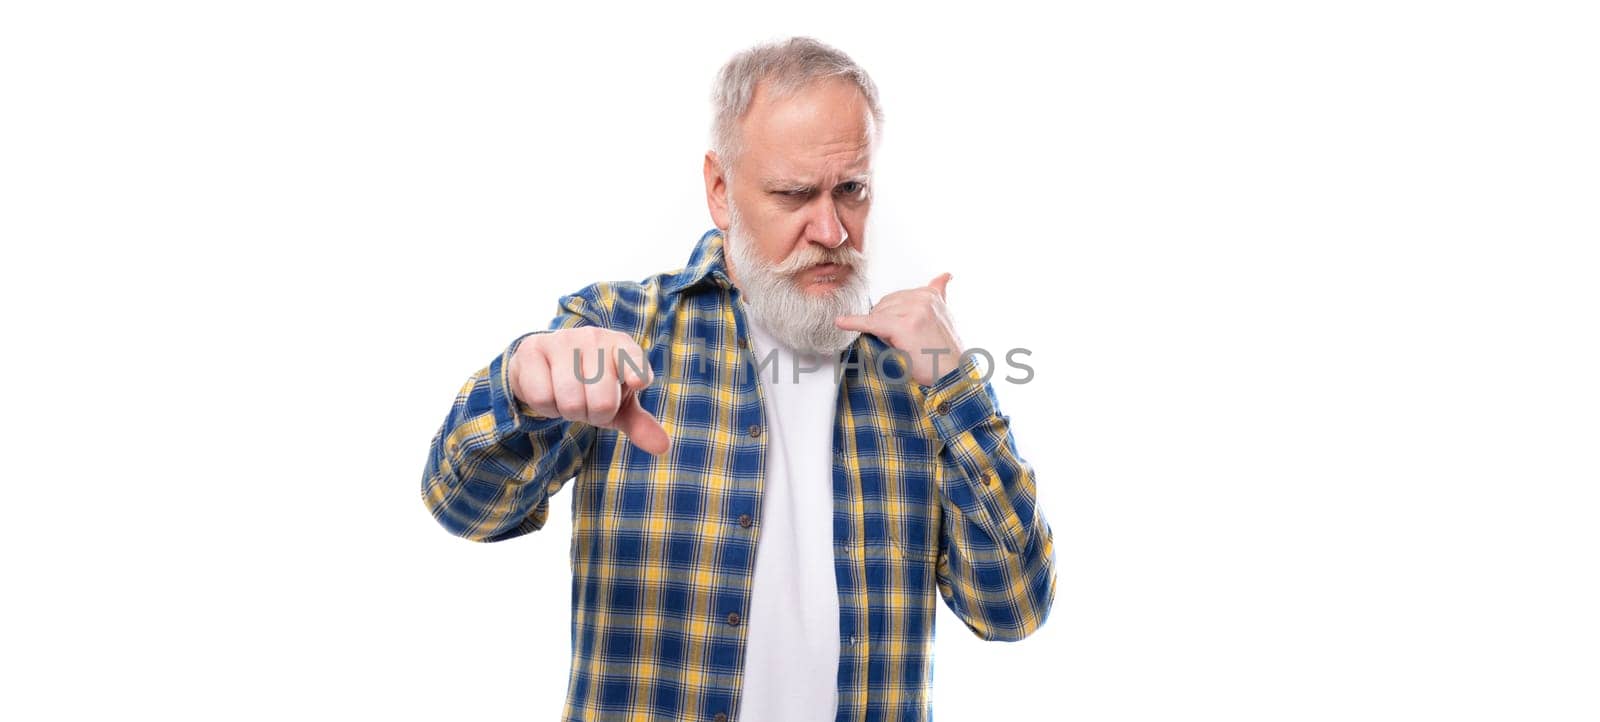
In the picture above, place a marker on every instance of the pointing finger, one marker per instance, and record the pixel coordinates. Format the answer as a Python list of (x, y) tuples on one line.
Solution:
[(939, 282), (640, 427)]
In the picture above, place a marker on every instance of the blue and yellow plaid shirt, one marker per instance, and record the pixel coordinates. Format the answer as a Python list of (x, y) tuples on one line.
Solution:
[(928, 493)]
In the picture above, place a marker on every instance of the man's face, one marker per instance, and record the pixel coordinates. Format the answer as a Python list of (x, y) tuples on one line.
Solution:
[(800, 183)]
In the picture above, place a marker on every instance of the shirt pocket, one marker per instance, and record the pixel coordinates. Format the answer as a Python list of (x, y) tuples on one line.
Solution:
[(911, 510)]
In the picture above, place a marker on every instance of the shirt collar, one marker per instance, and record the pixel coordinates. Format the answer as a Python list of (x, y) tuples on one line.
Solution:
[(706, 265)]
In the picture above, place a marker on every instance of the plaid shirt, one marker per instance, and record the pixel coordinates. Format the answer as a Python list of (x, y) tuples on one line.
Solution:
[(928, 493)]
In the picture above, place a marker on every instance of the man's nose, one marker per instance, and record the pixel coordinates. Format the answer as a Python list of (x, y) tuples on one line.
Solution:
[(824, 226)]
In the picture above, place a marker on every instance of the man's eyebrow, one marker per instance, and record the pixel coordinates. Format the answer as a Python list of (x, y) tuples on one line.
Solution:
[(779, 184), (775, 183)]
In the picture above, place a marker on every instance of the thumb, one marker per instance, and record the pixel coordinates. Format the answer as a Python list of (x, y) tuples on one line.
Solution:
[(640, 427), (939, 282)]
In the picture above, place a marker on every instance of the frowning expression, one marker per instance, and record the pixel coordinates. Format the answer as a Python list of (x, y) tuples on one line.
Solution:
[(802, 180)]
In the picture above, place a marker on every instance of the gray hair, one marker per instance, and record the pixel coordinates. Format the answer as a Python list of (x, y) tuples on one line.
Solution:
[(787, 66)]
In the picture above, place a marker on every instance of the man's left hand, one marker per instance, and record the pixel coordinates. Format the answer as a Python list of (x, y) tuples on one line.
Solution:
[(917, 322)]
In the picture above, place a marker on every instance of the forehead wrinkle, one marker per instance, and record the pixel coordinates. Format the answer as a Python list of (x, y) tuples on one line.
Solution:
[(859, 169)]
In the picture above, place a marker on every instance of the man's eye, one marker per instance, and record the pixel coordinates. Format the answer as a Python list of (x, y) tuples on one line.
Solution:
[(852, 188)]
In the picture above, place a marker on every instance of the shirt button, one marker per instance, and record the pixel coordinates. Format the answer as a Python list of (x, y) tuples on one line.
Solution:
[(755, 430), (744, 520), (733, 619), (988, 478), (721, 717), (944, 407), (743, 343)]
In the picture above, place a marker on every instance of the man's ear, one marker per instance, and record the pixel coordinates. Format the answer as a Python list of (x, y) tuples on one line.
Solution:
[(716, 190)]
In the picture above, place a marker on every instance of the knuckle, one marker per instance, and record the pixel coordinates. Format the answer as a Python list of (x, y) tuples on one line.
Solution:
[(562, 347), (537, 345)]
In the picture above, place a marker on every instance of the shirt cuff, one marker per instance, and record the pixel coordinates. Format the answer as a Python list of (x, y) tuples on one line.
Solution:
[(958, 401)]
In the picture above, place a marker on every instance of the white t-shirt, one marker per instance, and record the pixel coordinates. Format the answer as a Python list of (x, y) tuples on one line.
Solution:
[(792, 638)]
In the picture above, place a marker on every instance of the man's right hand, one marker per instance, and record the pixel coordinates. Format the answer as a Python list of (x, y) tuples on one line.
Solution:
[(544, 378)]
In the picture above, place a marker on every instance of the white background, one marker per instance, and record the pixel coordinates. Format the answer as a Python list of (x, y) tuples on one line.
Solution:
[(1311, 293)]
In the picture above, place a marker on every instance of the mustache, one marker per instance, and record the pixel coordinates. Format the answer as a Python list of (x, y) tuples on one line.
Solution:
[(813, 255)]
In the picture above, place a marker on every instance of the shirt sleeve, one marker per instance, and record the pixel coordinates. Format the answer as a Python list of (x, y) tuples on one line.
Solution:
[(494, 464), (996, 566)]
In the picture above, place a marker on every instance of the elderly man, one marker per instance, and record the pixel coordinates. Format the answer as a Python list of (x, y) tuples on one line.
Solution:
[(770, 479)]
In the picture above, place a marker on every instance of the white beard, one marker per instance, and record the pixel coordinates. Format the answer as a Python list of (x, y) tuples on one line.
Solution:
[(802, 322)]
